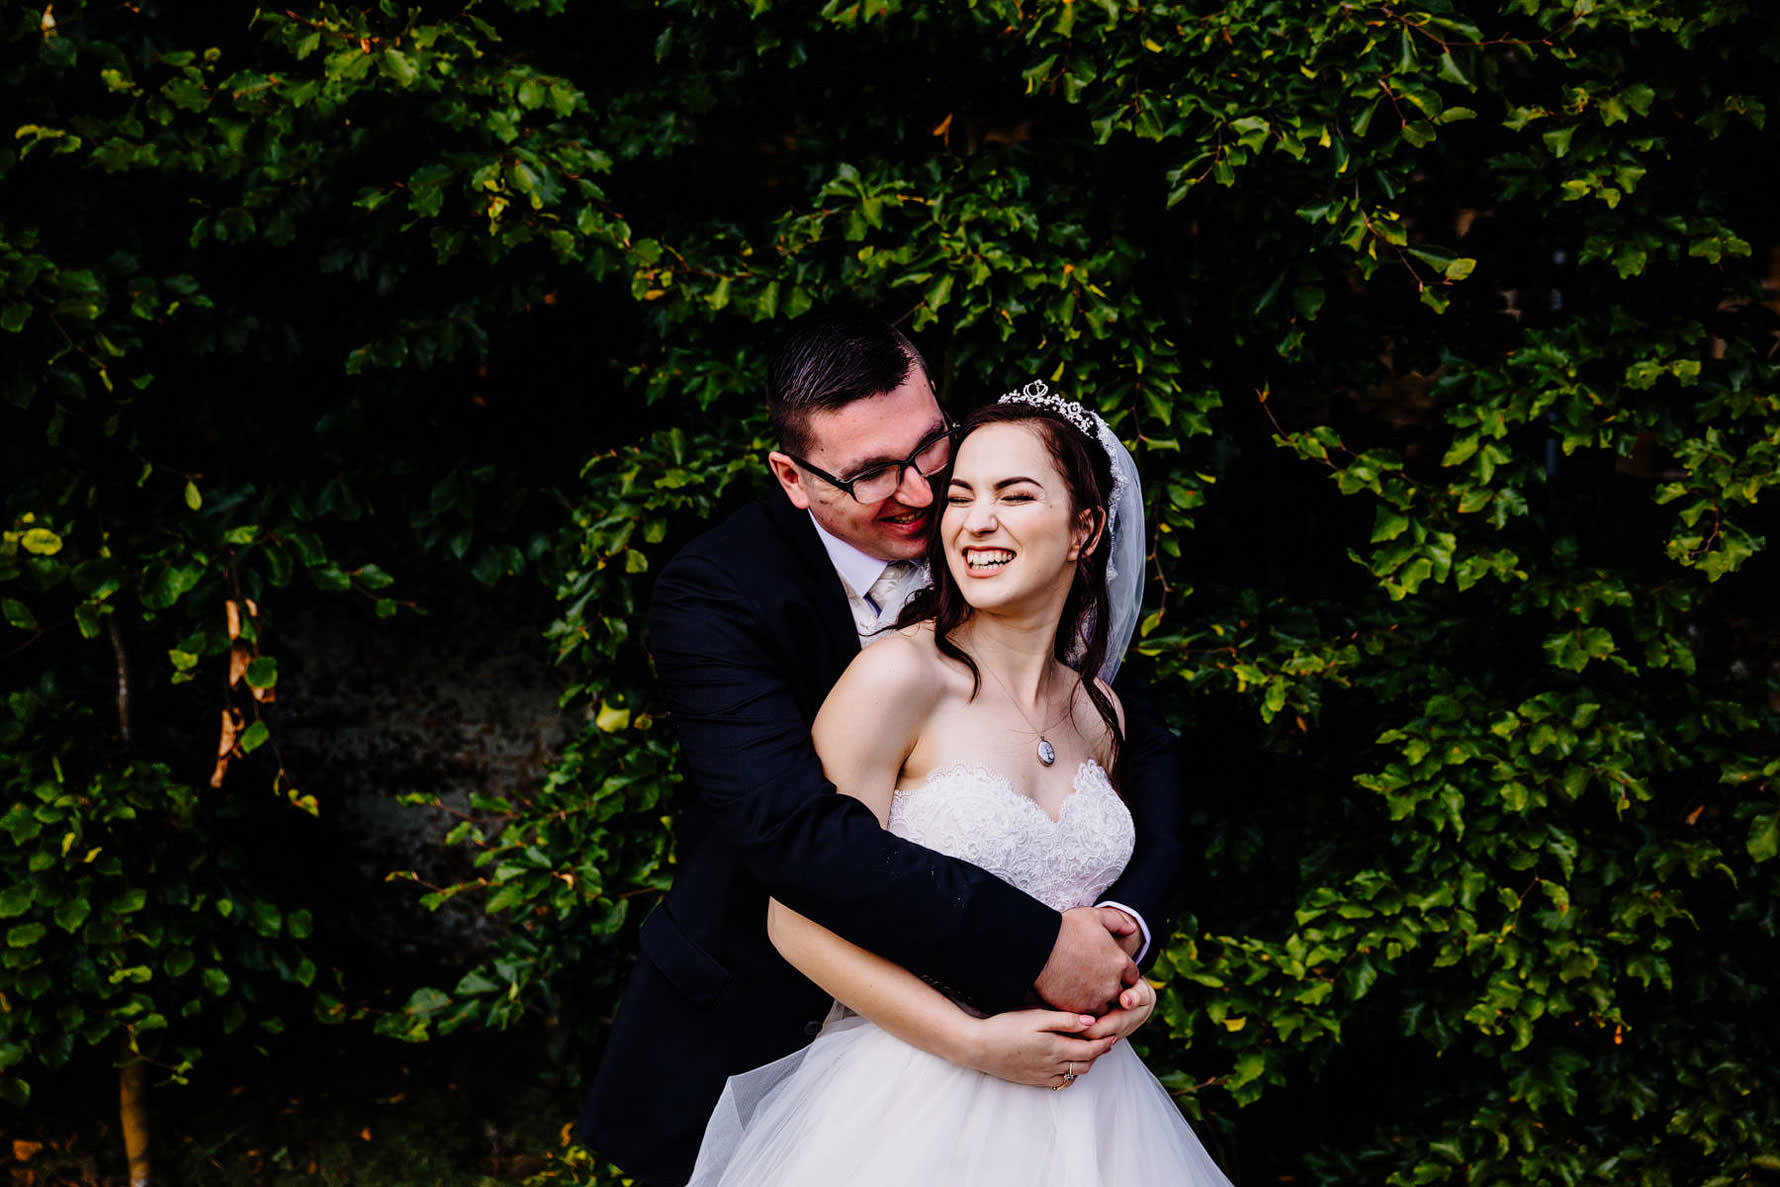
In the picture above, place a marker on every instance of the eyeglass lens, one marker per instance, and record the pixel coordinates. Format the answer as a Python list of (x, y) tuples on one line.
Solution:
[(882, 482)]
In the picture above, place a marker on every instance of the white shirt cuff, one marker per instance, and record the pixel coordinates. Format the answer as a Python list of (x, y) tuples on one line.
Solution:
[(1143, 928)]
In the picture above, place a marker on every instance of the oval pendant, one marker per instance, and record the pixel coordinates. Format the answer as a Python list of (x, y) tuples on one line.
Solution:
[(1046, 754)]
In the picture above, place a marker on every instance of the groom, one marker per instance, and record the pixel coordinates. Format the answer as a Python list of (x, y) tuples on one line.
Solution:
[(750, 627)]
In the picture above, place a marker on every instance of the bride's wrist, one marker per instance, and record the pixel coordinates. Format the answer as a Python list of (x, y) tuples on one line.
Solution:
[(968, 1045)]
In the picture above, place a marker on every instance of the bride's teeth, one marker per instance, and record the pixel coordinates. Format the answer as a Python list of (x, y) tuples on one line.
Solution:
[(978, 560)]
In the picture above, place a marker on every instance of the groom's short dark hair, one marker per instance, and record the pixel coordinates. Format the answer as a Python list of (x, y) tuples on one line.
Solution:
[(828, 360)]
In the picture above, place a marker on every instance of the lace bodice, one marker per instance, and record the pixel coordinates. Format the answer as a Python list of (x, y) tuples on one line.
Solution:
[(969, 811)]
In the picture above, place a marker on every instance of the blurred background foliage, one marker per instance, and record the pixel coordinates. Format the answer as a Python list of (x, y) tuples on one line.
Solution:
[(1444, 335)]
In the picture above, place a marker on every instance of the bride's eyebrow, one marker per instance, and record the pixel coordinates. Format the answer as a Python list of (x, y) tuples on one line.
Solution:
[(1000, 483)]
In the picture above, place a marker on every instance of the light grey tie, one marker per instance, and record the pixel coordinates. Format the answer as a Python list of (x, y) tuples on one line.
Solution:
[(883, 601), (882, 594)]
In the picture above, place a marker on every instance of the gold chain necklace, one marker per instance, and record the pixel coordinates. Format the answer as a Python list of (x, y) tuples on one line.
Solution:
[(1047, 754)]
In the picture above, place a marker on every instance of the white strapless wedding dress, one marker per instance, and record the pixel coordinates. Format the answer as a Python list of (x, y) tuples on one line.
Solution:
[(860, 1108)]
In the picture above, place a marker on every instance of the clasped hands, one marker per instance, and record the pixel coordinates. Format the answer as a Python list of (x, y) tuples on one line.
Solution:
[(1100, 995)]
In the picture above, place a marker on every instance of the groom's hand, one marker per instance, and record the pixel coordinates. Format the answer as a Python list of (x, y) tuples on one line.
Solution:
[(1124, 929), (1088, 968)]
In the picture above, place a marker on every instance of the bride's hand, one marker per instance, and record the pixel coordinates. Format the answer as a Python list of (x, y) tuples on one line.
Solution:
[(1035, 1046), (1136, 1004)]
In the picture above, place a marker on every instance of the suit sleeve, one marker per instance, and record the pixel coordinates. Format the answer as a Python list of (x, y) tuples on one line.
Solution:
[(745, 746), (1151, 784)]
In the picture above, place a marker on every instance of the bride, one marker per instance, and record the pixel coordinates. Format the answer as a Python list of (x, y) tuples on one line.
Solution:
[(973, 730)]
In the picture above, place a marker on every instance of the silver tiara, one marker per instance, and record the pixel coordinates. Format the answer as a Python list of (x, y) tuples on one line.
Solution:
[(1038, 393)]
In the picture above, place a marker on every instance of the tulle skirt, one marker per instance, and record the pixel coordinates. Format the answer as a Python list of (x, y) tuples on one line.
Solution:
[(860, 1108)]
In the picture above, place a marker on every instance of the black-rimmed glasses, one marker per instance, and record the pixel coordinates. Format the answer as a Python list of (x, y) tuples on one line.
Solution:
[(878, 483)]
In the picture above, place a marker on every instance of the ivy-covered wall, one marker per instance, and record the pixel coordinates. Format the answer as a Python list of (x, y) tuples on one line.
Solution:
[(1444, 336)]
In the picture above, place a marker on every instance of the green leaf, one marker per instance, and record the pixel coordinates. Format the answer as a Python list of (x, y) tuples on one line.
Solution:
[(476, 982), (1461, 450), (193, 499), (507, 897), (398, 68), (1388, 524), (165, 584), (1764, 837), (15, 900), (1449, 70), (41, 542), (426, 1000), (18, 614), (253, 737), (1629, 260), (25, 935), (1363, 121), (1251, 131), (265, 918), (373, 577), (72, 913), (262, 672)]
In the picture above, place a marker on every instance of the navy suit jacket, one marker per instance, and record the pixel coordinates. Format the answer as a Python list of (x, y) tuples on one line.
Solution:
[(749, 629)]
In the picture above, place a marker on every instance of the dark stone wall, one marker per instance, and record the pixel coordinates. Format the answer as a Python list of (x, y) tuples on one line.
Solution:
[(459, 700)]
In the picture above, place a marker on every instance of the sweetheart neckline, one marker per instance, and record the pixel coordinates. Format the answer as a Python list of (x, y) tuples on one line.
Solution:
[(1006, 784)]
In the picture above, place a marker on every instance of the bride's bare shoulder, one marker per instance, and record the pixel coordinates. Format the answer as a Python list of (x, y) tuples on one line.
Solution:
[(894, 685), (903, 659), (907, 665)]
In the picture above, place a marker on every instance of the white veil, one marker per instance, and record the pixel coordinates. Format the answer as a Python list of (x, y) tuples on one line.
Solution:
[(1126, 541)]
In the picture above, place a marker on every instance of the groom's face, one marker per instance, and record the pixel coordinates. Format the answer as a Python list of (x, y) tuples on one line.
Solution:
[(880, 429)]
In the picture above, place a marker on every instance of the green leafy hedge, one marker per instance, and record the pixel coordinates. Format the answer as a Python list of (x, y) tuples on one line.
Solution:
[(1440, 335)]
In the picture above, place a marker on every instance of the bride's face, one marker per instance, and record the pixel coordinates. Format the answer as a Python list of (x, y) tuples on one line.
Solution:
[(1011, 540)]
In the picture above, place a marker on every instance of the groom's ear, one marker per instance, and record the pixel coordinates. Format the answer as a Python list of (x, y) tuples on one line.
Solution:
[(790, 478)]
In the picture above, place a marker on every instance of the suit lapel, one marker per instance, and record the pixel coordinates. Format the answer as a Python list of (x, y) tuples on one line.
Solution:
[(816, 573)]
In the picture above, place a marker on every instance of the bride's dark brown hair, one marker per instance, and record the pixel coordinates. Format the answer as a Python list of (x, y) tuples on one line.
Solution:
[(1087, 473)]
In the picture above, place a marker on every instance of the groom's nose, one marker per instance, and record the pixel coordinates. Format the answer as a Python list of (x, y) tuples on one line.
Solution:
[(915, 489)]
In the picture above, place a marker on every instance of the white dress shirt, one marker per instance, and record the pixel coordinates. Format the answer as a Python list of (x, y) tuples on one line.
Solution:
[(859, 572)]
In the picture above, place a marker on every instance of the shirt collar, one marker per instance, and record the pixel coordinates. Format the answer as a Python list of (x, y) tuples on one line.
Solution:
[(857, 570)]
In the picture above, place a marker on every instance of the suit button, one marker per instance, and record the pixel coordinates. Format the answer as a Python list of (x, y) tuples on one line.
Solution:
[(812, 1029)]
